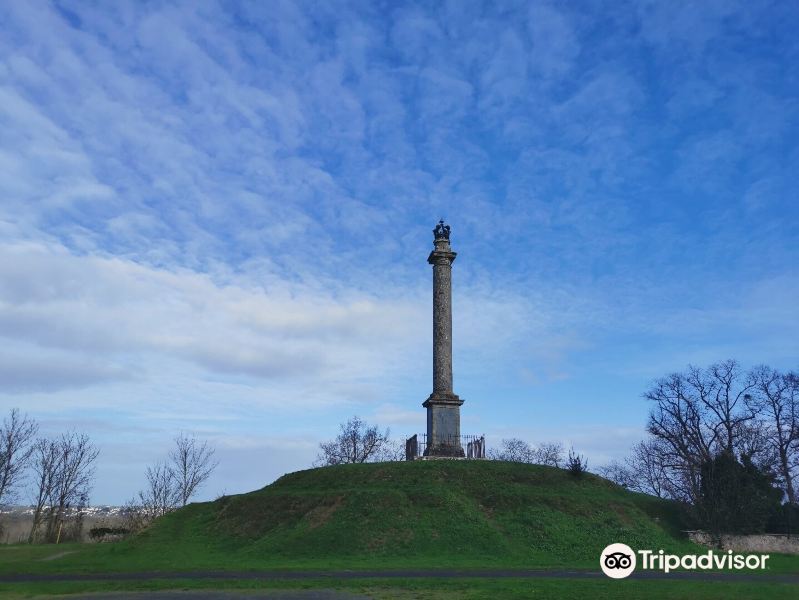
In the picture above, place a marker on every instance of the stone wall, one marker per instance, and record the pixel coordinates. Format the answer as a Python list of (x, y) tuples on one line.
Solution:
[(762, 543)]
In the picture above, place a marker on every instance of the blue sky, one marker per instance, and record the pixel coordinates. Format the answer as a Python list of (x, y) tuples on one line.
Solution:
[(215, 217)]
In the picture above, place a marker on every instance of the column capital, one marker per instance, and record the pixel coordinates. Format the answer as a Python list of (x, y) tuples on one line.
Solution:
[(441, 258), (442, 253)]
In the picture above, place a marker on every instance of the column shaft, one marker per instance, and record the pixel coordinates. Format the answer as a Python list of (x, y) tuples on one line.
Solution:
[(442, 326)]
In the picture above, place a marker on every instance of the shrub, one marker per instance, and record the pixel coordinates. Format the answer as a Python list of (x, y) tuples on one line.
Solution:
[(98, 533), (576, 464)]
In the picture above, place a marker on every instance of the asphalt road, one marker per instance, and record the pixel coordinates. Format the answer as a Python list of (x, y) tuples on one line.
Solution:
[(398, 574), (213, 595)]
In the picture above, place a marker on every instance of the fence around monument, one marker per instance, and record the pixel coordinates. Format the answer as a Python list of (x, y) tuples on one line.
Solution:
[(473, 445)]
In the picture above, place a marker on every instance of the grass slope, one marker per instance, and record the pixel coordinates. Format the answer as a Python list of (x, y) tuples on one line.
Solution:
[(422, 514), (444, 512)]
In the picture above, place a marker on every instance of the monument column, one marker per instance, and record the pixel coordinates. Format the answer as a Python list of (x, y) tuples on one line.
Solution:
[(443, 405)]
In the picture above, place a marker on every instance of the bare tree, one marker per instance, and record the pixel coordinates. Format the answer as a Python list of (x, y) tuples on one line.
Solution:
[(642, 471), (191, 464), (517, 450), (161, 494), (73, 480), (651, 474), (778, 399), (158, 498), (619, 473), (134, 516), (513, 450), (677, 420), (357, 442), (171, 485), (698, 414), (63, 472), (753, 439), (45, 459), (548, 453), (390, 451), (727, 398), (16, 437)]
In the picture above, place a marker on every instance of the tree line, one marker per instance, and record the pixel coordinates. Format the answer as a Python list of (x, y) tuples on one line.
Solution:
[(724, 442), (57, 474), (359, 442), (60, 471)]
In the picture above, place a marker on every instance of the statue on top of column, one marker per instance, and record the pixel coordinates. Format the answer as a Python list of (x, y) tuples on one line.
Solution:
[(441, 230)]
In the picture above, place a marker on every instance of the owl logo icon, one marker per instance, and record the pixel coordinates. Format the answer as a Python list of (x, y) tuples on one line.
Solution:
[(617, 561)]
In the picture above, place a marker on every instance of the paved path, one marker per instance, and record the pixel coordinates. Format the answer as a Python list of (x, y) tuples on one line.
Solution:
[(213, 595), (400, 573)]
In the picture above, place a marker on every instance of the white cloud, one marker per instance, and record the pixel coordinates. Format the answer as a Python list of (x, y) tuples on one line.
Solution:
[(107, 307), (52, 372)]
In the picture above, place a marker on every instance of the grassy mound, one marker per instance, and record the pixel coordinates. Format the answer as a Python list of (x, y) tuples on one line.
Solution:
[(387, 515), (424, 513)]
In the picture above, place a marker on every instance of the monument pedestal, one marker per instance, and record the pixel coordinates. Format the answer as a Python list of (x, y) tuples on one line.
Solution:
[(443, 425)]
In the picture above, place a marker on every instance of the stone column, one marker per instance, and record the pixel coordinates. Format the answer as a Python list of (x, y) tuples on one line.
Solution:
[(443, 405)]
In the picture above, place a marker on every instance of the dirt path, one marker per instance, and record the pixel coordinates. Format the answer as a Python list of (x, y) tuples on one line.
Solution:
[(58, 555)]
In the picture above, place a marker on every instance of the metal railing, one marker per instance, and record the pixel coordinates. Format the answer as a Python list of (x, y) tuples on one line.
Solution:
[(474, 446)]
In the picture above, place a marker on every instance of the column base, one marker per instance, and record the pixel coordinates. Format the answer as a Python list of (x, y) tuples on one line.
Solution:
[(442, 398), (443, 425), (444, 451)]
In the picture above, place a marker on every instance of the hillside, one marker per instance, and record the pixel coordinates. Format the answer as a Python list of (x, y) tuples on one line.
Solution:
[(422, 513), (419, 514)]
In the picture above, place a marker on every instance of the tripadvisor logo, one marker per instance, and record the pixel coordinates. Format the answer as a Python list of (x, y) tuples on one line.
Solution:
[(619, 561)]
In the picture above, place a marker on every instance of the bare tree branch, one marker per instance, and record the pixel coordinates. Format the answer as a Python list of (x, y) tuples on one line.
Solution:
[(549, 453), (698, 414), (73, 481), (191, 464), (777, 396), (161, 494), (64, 470), (16, 435), (357, 442), (45, 468), (513, 450)]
